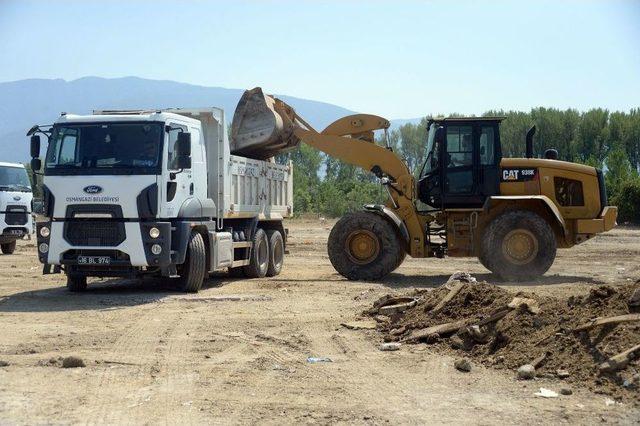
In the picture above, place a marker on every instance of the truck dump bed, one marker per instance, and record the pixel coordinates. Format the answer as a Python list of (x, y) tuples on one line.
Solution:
[(241, 187)]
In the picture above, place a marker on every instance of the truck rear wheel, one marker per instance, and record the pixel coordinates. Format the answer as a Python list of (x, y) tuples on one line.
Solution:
[(193, 270), (8, 248), (259, 258), (518, 245), (276, 252), (76, 283), (364, 246)]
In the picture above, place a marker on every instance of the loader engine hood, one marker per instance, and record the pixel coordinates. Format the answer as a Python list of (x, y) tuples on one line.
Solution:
[(132, 197)]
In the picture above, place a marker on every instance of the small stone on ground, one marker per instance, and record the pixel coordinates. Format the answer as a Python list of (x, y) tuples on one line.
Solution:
[(526, 372), (72, 362), (389, 346), (463, 365), (566, 391), (3, 363)]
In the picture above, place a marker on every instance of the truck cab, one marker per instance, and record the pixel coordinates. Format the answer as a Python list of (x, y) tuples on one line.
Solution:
[(15, 205), (128, 193)]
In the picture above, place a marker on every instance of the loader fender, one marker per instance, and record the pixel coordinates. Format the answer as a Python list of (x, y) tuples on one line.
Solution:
[(523, 200), (389, 214)]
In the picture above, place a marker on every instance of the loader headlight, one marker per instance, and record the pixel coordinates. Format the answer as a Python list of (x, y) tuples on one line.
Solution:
[(154, 232), (156, 249), (43, 248), (45, 232)]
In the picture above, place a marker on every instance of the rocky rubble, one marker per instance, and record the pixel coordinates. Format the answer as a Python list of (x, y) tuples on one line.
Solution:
[(592, 340)]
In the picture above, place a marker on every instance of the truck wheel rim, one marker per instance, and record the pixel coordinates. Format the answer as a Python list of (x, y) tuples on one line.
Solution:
[(520, 246), (278, 254), (263, 254), (362, 246)]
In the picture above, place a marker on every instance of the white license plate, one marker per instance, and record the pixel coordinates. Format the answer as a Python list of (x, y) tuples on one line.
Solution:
[(94, 260)]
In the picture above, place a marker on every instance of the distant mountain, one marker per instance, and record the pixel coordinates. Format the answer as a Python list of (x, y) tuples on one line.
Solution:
[(38, 101)]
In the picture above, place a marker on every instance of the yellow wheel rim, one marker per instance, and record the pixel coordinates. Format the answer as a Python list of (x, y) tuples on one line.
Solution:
[(362, 246), (520, 246)]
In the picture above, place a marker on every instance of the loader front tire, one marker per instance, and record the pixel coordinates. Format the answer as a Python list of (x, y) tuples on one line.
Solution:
[(518, 245), (364, 246), (194, 269), (259, 258)]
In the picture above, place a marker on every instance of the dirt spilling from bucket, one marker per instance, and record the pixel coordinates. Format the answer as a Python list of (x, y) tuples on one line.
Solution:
[(506, 330)]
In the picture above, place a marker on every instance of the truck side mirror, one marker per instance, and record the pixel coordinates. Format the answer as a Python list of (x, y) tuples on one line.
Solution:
[(35, 146), (183, 150), (35, 165)]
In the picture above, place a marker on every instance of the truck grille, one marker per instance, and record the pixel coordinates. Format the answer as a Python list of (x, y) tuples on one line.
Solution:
[(94, 233), (16, 215)]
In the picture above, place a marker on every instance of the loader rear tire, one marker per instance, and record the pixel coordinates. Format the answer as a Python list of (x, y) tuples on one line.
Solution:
[(194, 269), (8, 248), (76, 283), (364, 246), (518, 245), (276, 252), (259, 259)]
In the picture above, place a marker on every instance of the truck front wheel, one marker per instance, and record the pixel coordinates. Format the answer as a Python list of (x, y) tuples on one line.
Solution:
[(518, 245), (8, 248), (76, 283), (192, 272)]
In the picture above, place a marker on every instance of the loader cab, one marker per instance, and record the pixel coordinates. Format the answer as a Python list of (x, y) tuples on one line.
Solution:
[(462, 162)]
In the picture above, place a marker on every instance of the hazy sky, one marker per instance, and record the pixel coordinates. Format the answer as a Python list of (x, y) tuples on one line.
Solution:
[(394, 58)]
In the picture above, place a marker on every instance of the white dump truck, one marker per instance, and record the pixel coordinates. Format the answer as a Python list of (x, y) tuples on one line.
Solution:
[(128, 193), (15, 205)]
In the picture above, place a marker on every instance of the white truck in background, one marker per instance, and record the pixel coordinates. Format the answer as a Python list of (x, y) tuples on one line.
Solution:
[(128, 193), (15, 205)]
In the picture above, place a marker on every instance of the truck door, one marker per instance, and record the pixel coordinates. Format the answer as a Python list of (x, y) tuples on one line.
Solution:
[(177, 185)]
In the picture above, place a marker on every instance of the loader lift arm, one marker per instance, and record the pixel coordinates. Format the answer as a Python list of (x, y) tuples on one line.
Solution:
[(351, 139)]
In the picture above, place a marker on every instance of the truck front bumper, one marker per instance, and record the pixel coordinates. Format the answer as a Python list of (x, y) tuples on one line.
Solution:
[(605, 222), (137, 250)]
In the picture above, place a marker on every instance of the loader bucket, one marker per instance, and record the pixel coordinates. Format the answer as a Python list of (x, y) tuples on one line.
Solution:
[(258, 130)]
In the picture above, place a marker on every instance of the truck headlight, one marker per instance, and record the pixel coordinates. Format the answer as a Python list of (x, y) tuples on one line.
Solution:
[(45, 232), (154, 232), (156, 249), (44, 248)]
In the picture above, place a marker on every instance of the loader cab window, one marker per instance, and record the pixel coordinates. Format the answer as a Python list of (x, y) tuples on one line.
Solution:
[(173, 138), (433, 153), (487, 146), (459, 160)]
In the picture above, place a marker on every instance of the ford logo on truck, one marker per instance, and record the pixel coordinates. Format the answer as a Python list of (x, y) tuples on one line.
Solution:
[(92, 189)]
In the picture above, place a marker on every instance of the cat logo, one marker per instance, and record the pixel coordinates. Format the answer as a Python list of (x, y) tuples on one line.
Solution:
[(510, 175), (518, 175)]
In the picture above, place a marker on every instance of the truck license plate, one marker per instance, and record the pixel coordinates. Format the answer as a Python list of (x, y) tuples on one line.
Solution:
[(15, 232), (94, 260)]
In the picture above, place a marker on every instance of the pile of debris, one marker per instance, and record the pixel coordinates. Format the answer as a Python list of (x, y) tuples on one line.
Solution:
[(593, 340)]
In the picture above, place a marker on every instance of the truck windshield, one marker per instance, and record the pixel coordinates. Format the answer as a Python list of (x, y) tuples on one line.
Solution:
[(14, 179), (105, 148)]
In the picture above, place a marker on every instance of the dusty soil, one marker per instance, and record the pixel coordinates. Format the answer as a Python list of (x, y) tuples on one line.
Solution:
[(237, 351)]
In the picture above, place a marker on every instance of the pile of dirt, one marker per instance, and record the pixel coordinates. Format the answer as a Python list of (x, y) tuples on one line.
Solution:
[(506, 330)]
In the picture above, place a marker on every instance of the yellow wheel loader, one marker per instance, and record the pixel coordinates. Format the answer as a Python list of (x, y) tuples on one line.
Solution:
[(467, 201)]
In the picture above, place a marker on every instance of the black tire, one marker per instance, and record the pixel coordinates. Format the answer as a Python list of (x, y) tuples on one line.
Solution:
[(259, 256), (193, 271), (276, 252), (364, 246), (518, 245), (76, 283), (8, 248)]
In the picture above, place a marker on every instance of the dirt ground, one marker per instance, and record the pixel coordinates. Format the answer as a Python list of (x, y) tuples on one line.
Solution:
[(237, 351)]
